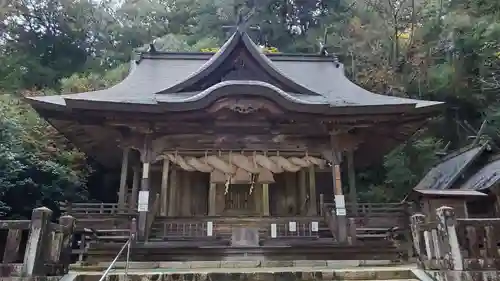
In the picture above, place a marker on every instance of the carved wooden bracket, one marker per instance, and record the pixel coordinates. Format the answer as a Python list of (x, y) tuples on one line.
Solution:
[(245, 106)]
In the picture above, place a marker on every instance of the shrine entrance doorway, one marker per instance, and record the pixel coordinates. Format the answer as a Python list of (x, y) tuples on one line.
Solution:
[(240, 200)]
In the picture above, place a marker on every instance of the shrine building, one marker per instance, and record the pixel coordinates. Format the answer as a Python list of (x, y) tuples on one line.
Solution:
[(209, 143)]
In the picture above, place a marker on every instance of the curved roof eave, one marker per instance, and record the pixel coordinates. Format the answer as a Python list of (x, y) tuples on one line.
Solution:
[(192, 101), (219, 57)]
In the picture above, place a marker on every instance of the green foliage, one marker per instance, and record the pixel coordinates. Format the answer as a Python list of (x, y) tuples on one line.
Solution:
[(433, 49), (34, 171)]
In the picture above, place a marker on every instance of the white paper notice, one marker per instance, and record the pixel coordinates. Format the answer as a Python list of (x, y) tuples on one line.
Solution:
[(314, 226), (339, 201), (292, 226), (341, 212), (274, 231), (210, 228), (142, 205)]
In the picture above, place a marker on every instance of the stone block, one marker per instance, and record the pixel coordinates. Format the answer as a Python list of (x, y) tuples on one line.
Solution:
[(204, 264), (240, 264), (358, 275), (174, 265), (342, 263), (393, 274), (273, 263), (310, 263), (375, 262)]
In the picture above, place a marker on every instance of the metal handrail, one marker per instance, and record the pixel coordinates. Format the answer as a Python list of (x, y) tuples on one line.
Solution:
[(126, 245)]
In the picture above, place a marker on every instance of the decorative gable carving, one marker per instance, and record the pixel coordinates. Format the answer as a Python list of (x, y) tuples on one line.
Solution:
[(239, 65), (243, 69), (245, 106)]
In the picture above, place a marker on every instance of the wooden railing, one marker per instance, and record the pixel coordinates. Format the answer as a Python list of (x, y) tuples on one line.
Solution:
[(87, 237), (47, 250), (370, 221), (448, 243), (94, 209), (372, 209), (221, 228)]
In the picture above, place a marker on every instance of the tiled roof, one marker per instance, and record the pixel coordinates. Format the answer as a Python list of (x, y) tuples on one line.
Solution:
[(444, 174)]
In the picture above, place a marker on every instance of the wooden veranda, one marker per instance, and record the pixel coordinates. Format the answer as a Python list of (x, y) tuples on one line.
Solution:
[(375, 231)]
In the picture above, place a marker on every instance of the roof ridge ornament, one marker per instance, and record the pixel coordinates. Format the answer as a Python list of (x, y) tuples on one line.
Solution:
[(323, 51), (241, 23), (152, 48)]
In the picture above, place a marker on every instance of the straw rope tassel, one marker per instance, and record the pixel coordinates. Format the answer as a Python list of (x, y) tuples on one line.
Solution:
[(253, 175), (228, 181)]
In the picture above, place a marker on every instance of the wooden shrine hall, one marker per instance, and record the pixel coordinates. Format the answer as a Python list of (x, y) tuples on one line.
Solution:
[(213, 143)]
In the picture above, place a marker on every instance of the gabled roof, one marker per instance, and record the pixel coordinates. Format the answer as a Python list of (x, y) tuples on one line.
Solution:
[(485, 178), (444, 174), (161, 82)]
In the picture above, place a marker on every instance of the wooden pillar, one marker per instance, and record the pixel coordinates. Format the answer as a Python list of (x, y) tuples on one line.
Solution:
[(302, 191), (220, 199), (38, 243), (135, 187), (313, 205), (186, 198), (448, 233), (12, 244), (143, 207), (123, 179), (416, 221), (265, 199), (495, 190), (172, 193), (212, 196), (68, 223), (164, 187), (180, 190), (340, 209), (353, 197), (291, 193), (257, 191)]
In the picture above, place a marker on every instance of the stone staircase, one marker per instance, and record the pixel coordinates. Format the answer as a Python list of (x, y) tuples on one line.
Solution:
[(305, 270)]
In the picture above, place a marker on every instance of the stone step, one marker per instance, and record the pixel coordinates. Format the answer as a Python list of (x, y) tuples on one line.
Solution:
[(196, 271), (270, 274), (246, 263)]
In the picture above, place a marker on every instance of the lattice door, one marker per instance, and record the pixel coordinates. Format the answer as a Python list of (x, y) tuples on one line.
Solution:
[(239, 201)]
